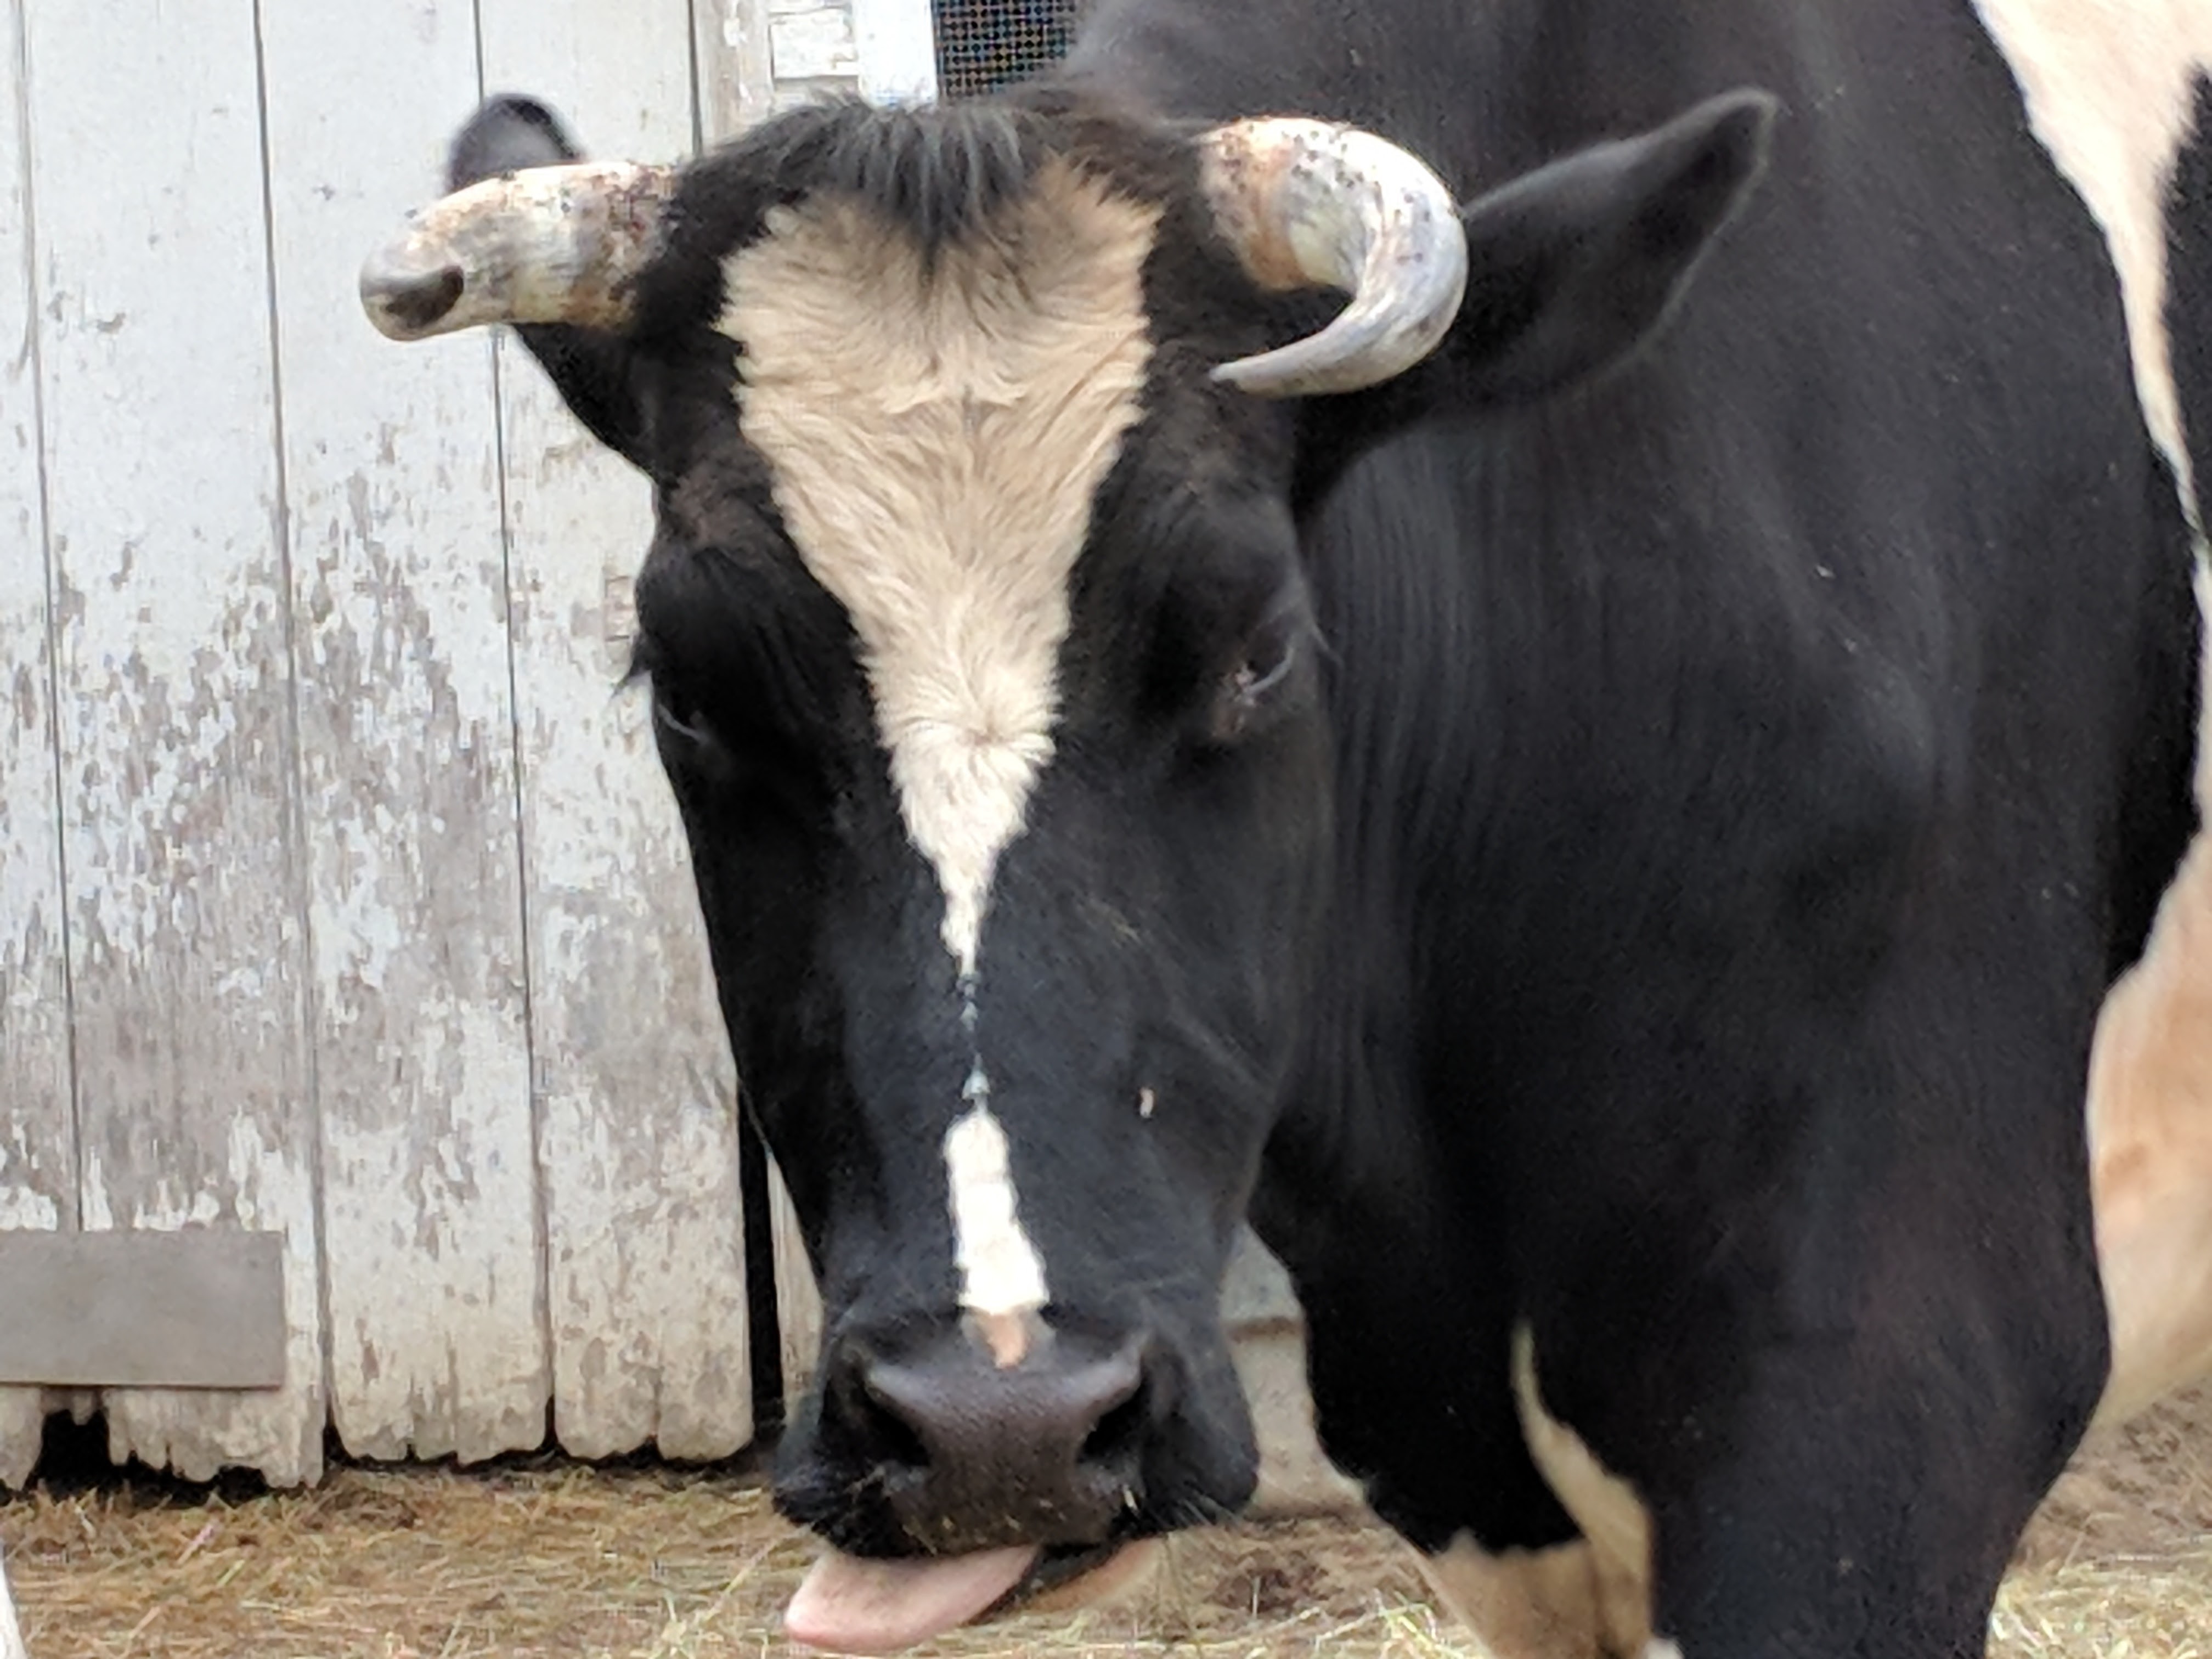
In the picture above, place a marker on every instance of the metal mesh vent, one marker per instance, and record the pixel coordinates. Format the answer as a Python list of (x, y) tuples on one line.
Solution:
[(984, 44)]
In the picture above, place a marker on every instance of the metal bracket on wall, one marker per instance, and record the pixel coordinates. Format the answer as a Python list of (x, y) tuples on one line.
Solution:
[(190, 1310)]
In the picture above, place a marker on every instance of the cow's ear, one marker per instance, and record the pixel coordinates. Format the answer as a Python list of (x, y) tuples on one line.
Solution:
[(1572, 267), (590, 368)]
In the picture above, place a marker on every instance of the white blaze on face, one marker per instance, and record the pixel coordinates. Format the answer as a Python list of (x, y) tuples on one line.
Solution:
[(936, 439), (2111, 93), (936, 435), (1000, 1276)]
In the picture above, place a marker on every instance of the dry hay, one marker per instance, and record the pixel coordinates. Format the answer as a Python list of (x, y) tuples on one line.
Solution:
[(547, 1558)]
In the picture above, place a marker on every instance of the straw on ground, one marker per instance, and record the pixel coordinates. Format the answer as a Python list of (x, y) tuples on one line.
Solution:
[(530, 1560)]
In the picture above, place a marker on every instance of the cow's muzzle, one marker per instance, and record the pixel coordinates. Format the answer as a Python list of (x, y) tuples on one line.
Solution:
[(970, 1453)]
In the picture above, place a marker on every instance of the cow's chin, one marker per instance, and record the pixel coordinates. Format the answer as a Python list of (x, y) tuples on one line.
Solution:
[(849, 1604)]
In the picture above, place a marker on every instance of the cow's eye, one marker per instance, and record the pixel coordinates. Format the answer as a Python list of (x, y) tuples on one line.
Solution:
[(692, 730), (1247, 694), (687, 739)]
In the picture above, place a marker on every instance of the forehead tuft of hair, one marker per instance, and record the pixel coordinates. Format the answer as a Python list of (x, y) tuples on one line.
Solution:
[(939, 172), (944, 173)]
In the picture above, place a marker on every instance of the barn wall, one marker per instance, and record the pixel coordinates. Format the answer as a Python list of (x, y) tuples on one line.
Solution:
[(38, 1159), (340, 895)]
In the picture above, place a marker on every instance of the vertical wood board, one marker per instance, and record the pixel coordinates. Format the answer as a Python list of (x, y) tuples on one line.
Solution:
[(175, 713), (637, 1142), (737, 79), (433, 1265), (37, 1176), (11, 1635), (798, 1298)]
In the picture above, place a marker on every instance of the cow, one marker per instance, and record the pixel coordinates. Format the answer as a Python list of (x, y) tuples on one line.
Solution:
[(1547, 648)]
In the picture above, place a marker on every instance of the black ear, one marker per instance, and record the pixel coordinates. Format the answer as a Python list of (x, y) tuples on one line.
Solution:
[(507, 133), (590, 368), (1572, 267)]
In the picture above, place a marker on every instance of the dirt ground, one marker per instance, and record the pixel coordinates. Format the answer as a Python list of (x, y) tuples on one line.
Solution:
[(550, 1558)]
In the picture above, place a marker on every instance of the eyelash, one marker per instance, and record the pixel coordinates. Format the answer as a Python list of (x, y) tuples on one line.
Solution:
[(1243, 693), (697, 734)]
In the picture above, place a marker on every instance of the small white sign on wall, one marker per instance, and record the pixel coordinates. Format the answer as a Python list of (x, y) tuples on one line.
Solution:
[(816, 45), (897, 42)]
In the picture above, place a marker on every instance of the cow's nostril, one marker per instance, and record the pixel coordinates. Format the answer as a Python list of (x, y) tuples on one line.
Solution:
[(860, 1422), (1119, 1435), (889, 1436)]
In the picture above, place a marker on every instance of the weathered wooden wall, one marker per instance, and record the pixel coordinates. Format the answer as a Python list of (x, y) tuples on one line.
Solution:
[(339, 896)]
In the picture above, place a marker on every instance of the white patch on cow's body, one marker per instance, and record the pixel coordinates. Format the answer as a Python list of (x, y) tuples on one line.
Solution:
[(1613, 1518), (935, 438), (2111, 93), (935, 432), (2150, 1124)]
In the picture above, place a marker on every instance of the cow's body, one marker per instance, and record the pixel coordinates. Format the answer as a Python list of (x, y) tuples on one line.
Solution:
[(1808, 500), (1609, 845)]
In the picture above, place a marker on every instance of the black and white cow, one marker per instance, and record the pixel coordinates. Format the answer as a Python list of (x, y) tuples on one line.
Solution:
[(1595, 796)]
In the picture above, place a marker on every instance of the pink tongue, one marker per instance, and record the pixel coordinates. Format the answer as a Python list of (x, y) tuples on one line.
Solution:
[(853, 1605)]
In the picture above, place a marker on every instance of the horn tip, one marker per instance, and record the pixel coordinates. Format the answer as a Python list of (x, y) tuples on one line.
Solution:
[(409, 303)]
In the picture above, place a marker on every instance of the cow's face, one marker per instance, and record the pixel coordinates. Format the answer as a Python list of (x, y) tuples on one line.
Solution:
[(994, 714), (985, 671)]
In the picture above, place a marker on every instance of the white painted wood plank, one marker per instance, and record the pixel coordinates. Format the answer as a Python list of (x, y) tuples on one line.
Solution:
[(637, 1143), (432, 1261), (737, 81), (12, 1637), (37, 1179), (798, 1299), (179, 837)]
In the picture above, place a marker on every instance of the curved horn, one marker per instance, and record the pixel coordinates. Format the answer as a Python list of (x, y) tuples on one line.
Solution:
[(1312, 205), (545, 244)]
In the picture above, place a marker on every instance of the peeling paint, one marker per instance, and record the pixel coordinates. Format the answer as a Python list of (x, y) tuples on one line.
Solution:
[(36, 1167), (289, 780), (636, 1146), (407, 786), (172, 720)]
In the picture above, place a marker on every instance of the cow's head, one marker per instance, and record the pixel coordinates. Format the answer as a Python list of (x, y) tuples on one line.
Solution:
[(986, 673)]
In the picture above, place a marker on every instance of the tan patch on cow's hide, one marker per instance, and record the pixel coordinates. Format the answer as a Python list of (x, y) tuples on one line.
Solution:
[(1524, 1604), (1612, 1515)]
